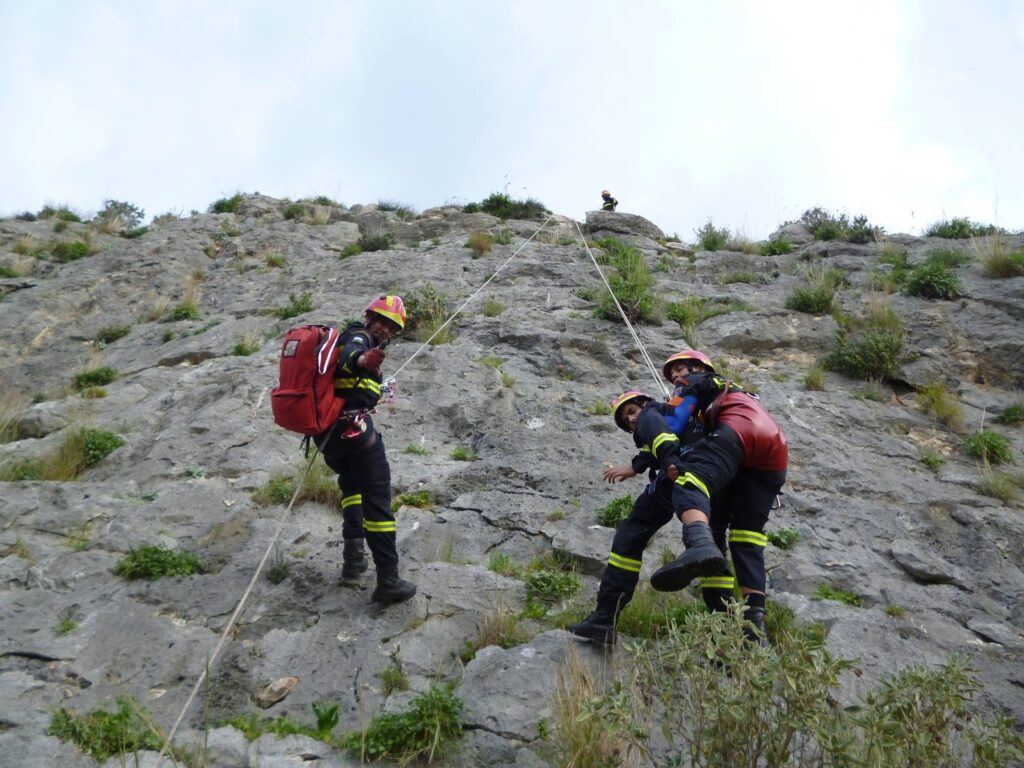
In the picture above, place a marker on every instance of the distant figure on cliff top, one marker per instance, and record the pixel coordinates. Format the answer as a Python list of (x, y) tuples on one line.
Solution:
[(609, 201)]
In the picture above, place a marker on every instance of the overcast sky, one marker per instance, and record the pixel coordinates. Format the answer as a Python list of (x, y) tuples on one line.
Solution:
[(743, 112)]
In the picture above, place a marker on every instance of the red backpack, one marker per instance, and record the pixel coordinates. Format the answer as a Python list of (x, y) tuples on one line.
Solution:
[(304, 401)]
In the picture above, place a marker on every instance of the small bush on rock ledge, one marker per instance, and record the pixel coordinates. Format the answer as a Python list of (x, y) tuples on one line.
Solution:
[(151, 562)]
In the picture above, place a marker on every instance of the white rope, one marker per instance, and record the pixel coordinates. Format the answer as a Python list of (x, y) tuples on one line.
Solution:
[(287, 512), (238, 610), (643, 350), (471, 297)]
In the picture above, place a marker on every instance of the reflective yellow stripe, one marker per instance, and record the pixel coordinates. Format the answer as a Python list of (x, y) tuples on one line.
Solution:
[(348, 501), (748, 537), (645, 449), (369, 384), (661, 439), (691, 479), (380, 526), (718, 582), (624, 563)]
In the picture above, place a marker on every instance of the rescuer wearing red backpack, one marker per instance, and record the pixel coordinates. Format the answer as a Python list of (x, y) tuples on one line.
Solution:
[(355, 450)]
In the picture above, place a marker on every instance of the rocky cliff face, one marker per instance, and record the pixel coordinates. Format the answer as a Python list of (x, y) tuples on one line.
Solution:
[(512, 389)]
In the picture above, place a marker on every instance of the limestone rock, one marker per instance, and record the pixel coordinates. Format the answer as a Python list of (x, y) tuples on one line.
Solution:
[(275, 691), (622, 223)]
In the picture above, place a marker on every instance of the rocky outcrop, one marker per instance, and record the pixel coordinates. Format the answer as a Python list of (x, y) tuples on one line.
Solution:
[(515, 388)]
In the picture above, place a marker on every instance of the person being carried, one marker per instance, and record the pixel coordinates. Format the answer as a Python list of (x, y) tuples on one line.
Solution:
[(741, 465), (355, 450), (609, 202), (640, 414)]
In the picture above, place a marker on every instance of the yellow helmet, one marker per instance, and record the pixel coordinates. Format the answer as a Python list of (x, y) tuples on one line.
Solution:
[(620, 401), (687, 354), (605, 193)]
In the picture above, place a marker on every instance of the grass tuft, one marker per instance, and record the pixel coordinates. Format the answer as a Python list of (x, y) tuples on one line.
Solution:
[(989, 447), (615, 511), (151, 562)]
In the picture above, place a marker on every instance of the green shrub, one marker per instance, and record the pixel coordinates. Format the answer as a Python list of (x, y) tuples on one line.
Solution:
[(827, 592), (947, 257), (120, 214), (61, 213), (427, 311), (935, 399), (71, 251), (298, 305), (933, 280), (112, 333), (989, 446), (710, 238), (418, 499), (776, 247), (226, 204), (615, 511), (492, 362), (824, 225), (403, 211), (960, 229), (930, 458), (1004, 486), (245, 347), (93, 393), (274, 260), (392, 679), (738, 277), (16, 470), (632, 283), (547, 586), (814, 379), (294, 211), (131, 234), (1011, 414), (416, 450), (997, 262), (102, 734), (480, 243), (252, 726), (783, 538), (694, 310), (600, 408), (94, 377), (504, 236), (427, 730), (371, 241), (352, 249), (186, 310), (862, 232), (493, 307), (866, 351), (151, 562), (319, 486), (818, 295), (504, 207), (464, 454), (650, 613), (784, 704)]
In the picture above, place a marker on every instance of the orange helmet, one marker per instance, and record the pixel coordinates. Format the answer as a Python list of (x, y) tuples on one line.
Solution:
[(391, 307), (687, 354), (621, 400)]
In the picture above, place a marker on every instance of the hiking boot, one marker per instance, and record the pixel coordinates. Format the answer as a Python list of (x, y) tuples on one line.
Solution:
[(354, 562), (754, 629), (598, 626), (700, 558), (391, 589)]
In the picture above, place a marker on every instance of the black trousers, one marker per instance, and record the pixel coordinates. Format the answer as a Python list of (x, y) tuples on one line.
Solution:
[(618, 583), (364, 477)]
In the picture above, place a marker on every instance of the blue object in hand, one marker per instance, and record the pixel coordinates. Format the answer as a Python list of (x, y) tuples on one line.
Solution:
[(677, 421)]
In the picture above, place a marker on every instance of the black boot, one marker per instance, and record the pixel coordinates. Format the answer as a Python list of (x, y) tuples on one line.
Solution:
[(354, 562), (700, 558), (598, 626), (390, 588), (754, 629)]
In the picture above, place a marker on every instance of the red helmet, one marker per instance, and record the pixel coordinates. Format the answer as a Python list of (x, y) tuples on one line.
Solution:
[(391, 307), (621, 400), (687, 354)]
